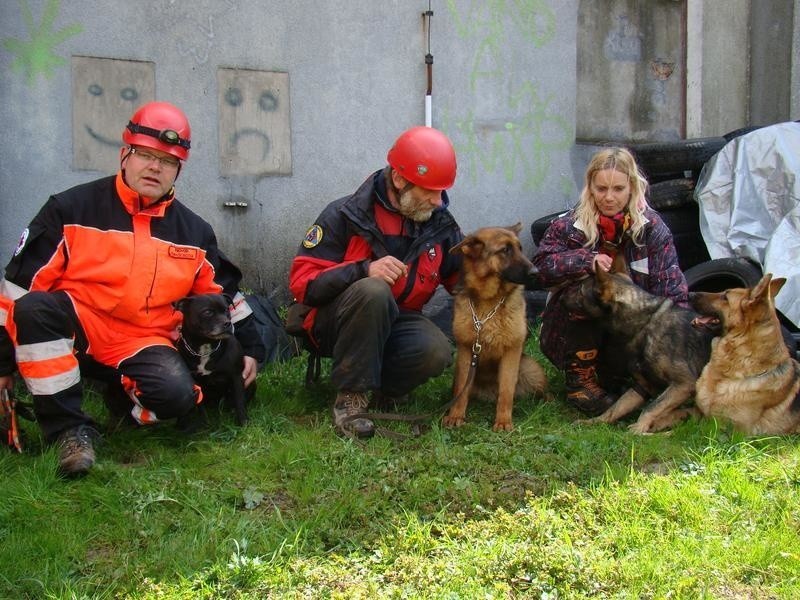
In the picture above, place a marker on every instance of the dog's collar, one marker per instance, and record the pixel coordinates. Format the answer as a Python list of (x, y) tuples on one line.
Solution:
[(479, 323), (194, 352)]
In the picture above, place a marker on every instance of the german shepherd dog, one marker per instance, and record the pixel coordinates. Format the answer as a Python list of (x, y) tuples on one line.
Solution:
[(214, 356), (489, 325), (750, 379), (666, 346)]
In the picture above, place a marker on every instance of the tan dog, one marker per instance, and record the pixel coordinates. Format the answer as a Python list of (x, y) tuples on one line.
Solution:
[(489, 324), (750, 379)]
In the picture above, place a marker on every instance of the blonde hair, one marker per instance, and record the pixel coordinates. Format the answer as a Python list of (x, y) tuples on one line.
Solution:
[(586, 213)]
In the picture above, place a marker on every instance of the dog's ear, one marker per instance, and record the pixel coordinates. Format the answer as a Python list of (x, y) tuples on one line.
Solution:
[(603, 289), (761, 289), (619, 264), (228, 299), (516, 228), (180, 305), (775, 286), (469, 246)]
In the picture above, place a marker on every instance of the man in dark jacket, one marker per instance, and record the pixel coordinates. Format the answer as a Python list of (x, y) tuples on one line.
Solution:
[(367, 267), (94, 279)]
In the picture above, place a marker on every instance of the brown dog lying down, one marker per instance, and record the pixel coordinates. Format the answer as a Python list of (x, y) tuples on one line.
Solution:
[(750, 379), (489, 322), (665, 347)]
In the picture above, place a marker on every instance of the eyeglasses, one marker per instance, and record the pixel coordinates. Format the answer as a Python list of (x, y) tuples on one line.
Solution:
[(148, 157)]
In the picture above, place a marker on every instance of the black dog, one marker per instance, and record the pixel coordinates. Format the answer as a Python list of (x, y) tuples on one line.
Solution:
[(215, 357)]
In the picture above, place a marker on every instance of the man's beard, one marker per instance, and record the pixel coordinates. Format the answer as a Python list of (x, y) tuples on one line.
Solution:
[(409, 208)]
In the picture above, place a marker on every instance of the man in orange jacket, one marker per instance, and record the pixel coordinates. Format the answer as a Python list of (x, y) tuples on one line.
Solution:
[(94, 279)]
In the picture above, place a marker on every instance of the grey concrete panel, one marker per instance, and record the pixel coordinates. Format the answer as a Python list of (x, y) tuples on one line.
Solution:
[(631, 70), (254, 129), (505, 82), (105, 93)]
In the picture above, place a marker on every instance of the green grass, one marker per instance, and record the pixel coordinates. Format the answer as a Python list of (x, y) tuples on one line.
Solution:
[(283, 508)]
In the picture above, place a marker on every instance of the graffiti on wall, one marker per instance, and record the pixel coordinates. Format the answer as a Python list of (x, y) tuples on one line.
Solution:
[(254, 132), (518, 143), (105, 92), (37, 54), (196, 39)]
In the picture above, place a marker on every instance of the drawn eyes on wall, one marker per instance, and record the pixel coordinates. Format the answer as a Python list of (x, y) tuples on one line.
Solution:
[(233, 96), (267, 101), (127, 93)]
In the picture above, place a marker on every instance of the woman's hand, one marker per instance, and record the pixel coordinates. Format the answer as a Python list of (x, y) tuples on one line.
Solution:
[(602, 261)]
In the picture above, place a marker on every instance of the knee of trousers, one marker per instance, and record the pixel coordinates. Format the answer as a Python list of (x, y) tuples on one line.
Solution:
[(437, 356), (430, 353), (169, 397), (37, 312), (369, 298)]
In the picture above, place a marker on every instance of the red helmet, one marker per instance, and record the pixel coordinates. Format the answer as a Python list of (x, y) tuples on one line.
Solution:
[(425, 157), (161, 126)]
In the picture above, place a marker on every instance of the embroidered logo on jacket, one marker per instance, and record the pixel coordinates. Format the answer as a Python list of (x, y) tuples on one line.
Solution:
[(22, 239), (177, 252), (313, 237)]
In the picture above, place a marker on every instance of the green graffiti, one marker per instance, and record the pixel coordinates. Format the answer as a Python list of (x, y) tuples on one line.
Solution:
[(517, 146), (36, 55), (486, 19), (521, 141)]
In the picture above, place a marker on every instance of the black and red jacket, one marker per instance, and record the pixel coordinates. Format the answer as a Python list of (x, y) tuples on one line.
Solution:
[(356, 229), (123, 265)]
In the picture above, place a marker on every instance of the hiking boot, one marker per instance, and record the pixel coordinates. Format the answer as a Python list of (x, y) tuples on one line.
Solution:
[(76, 450), (583, 390), (346, 405), (383, 401)]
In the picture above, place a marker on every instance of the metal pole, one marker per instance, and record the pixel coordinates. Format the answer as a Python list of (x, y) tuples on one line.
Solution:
[(426, 20)]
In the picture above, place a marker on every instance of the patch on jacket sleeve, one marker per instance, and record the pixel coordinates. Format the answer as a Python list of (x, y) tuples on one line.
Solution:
[(313, 237), (22, 239)]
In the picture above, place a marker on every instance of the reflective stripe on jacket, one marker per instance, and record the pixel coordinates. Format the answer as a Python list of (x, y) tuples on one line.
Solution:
[(124, 266)]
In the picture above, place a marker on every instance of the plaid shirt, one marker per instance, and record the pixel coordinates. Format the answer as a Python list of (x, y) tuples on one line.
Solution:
[(563, 260)]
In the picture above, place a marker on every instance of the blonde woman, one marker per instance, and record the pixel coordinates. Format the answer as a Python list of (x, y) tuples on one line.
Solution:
[(611, 216)]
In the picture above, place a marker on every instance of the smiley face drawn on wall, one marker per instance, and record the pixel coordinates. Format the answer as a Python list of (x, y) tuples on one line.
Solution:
[(105, 93), (254, 131)]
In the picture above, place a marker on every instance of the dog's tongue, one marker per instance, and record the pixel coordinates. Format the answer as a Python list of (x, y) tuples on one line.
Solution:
[(705, 322)]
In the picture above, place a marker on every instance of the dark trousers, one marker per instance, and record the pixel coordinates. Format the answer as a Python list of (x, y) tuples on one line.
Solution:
[(163, 382), (377, 346)]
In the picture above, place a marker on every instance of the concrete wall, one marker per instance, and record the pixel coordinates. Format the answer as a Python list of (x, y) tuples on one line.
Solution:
[(504, 90)]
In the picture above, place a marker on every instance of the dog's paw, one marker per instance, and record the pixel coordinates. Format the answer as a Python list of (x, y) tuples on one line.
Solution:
[(503, 426), (640, 428), (453, 420)]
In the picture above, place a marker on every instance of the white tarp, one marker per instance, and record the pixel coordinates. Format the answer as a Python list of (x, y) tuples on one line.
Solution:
[(749, 197)]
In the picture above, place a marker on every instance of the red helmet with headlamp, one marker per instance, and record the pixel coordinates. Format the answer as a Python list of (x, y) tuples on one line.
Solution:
[(161, 126)]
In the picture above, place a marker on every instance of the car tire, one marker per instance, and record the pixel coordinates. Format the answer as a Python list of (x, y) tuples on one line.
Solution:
[(672, 193), (721, 274), (683, 223), (661, 161)]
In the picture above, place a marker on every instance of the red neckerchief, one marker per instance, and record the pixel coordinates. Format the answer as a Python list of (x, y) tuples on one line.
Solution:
[(611, 231)]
